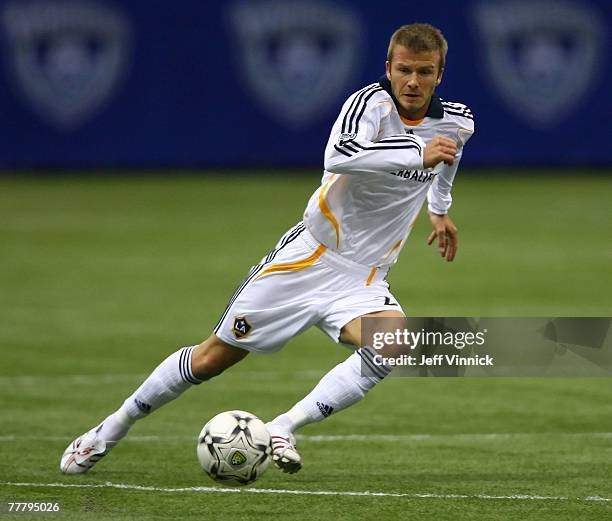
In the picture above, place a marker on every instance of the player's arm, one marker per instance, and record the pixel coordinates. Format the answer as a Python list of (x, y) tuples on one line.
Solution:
[(439, 202), (439, 199), (353, 147), (445, 231), (439, 196)]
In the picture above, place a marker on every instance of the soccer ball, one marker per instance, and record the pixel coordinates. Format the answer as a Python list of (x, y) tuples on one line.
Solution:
[(234, 448)]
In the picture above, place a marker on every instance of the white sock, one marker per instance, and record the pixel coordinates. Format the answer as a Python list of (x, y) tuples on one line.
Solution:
[(344, 385), (167, 381), (115, 426)]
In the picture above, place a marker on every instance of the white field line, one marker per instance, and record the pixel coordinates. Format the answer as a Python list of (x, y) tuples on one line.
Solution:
[(95, 379), (477, 436), (73, 379), (366, 493)]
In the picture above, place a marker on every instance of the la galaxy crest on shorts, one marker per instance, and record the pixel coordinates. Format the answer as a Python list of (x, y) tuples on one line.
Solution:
[(241, 327)]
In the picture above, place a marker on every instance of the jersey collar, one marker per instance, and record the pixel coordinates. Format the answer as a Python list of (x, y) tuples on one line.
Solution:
[(435, 109)]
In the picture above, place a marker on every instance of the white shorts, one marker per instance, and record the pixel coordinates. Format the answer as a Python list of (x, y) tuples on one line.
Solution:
[(297, 285)]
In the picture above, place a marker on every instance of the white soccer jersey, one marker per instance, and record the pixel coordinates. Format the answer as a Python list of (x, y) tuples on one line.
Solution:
[(374, 183)]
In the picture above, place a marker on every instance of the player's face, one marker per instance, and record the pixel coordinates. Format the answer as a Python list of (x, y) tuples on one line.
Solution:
[(413, 76)]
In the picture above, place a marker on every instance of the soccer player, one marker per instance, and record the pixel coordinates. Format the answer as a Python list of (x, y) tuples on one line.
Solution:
[(394, 145)]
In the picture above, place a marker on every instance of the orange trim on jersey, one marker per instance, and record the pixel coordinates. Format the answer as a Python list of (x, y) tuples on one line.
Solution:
[(411, 122), (295, 266), (374, 270), (327, 212), (371, 277), (395, 247)]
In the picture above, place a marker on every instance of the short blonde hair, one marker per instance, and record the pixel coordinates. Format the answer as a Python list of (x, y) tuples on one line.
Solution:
[(419, 38)]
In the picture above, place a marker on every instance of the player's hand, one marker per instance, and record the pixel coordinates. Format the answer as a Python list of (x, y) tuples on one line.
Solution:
[(439, 149), (446, 232)]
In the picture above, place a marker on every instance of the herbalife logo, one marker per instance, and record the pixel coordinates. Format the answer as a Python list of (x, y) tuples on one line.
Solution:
[(325, 409)]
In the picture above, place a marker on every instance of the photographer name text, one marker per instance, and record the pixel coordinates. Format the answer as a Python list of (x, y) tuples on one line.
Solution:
[(435, 360)]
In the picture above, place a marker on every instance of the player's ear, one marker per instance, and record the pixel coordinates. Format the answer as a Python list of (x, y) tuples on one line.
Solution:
[(388, 69), (440, 74)]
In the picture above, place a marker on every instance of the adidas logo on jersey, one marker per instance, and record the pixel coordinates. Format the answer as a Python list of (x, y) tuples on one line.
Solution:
[(325, 409)]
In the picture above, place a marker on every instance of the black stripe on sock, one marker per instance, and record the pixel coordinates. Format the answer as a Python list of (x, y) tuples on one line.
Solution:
[(188, 370), (376, 373), (367, 355), (370, 352), (184, 363)]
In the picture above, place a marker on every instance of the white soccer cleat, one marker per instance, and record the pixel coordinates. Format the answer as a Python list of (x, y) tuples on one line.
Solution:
[(84, 452), (284, 453)]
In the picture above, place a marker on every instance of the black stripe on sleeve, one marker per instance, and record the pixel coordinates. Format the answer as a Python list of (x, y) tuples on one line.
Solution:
[(376, 146), (363, 107), (395, 147), (453, 113), (458, 111), (349, 147), (352, 106), (342, 151), (364, 95), (397, 140), (400, 140)]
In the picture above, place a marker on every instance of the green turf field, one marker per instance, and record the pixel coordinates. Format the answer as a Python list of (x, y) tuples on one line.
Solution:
[(101, 278)]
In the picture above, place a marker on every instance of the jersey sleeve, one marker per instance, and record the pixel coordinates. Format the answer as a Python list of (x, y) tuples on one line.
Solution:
[(439, 197), (353, 147)]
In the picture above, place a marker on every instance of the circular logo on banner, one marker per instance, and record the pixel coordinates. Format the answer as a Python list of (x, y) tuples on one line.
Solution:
[(298, 55), (543, 56), (66, 57)]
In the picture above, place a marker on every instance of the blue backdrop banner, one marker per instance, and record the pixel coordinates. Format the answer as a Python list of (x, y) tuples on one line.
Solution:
[(258, 83)]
